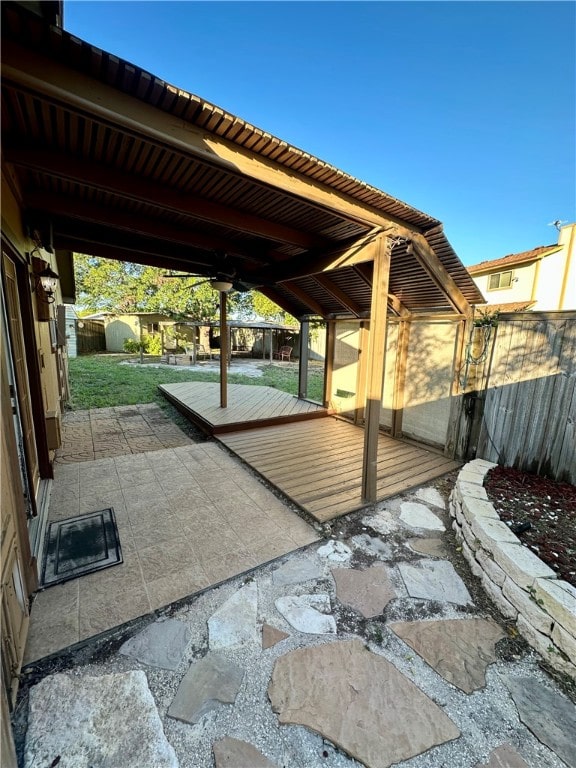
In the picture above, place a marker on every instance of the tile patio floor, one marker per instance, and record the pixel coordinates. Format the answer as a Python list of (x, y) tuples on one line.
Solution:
[(188, 516)]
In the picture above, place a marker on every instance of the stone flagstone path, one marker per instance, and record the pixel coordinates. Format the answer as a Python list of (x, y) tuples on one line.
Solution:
[(365, 650)]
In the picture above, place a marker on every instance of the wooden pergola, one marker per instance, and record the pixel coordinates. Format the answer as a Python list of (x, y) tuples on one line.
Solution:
[(109, 160)]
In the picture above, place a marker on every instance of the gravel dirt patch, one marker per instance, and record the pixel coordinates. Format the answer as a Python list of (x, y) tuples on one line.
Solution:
[(541, 512)]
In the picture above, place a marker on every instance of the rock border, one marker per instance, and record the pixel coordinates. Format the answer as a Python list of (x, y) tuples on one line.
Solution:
[(522, 587)]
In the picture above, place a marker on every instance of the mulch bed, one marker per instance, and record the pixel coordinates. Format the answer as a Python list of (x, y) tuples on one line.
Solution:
[(547, 507)]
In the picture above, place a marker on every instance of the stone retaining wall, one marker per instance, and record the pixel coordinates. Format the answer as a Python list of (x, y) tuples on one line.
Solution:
[(516, 580)]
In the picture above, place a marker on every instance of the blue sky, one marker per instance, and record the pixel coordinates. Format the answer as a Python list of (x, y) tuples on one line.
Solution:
[(466, 110)]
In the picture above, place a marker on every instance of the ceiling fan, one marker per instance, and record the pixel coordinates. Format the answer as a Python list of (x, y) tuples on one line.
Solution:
[(219, 281)]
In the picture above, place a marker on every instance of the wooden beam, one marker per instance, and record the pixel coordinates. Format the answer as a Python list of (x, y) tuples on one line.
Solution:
[(308, 301), (303, 360), (365, 272), (72, 207), (107, 251), (282, 302), (338, 294), (431, 263), (122, 184), (79, 92), (376, 366), (347, 254)]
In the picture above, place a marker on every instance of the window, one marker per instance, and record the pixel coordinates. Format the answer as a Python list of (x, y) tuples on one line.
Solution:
[(152, 328), (500, 280)]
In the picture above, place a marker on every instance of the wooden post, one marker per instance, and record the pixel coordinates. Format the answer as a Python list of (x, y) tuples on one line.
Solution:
[(303, 362), (223, 353), (329, 361), (271, 345), (375, 366)]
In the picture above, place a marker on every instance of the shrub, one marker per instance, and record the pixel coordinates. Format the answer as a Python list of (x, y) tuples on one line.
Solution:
[(153, 345), (132, 346)]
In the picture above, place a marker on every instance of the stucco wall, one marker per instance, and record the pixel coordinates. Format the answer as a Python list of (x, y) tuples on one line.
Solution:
[(520, 290), (345, 367), (428, 385), (390, 366), (12, 226)]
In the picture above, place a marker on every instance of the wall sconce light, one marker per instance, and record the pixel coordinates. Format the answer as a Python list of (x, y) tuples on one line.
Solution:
[(46, 280), (221, 285)]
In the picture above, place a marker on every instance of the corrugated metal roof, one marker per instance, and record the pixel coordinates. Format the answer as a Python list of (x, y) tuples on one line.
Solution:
[(112, 189)]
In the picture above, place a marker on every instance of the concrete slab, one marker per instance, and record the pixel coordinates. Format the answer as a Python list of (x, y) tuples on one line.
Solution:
[(367, 592), (434, 580), (271, 636), (234, 753), (82, 722), (233, 625), (504, 757), (161, 644), (209, 683), (297, 571), (430, 495), (548, 714), (308, 613), (432, 547), (359, 701), (458, 649), (419, 516)]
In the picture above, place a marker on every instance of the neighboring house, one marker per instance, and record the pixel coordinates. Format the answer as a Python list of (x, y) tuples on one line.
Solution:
[(542, 279), (134, 326)]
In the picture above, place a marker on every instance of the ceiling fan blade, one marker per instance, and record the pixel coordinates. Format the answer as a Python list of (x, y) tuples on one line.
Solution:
[(181, 277)]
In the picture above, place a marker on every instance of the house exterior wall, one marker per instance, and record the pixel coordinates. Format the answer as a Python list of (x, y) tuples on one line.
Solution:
[(523, 277), (32, 379), (548, 287), (429, 375), (568, 240), (549, 281), (389, 376), (118, 328), (343, 396)]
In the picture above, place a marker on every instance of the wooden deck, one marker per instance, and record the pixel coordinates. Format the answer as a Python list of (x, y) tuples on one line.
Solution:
[(318, 464), (248, 406)]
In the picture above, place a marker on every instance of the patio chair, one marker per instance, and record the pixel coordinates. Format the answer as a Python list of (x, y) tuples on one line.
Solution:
[(200, 352), (283, 353)]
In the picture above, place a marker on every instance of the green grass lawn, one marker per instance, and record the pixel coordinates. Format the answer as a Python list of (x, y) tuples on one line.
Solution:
[(100, 381)]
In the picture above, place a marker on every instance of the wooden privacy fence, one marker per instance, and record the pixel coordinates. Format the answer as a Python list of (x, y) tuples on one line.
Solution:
[(528, 419), (90, 336)]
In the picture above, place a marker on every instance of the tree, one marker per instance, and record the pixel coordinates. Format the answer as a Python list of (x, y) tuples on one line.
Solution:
[(269, 310), (106, 285), (122, 287)]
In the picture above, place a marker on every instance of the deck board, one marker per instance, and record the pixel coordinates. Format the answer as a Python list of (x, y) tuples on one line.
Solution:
[(248, 406), (318, 464), (315, 462)]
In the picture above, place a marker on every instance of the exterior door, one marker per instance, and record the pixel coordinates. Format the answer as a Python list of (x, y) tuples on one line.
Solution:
[(18, 568), (30, 470)]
